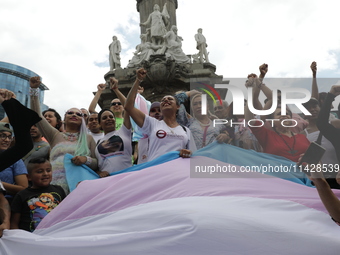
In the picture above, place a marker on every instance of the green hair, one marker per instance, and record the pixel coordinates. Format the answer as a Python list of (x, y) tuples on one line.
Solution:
[(82, 147)]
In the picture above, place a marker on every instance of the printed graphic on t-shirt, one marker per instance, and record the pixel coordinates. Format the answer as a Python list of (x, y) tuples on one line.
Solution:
[(118, 126), (162, 134), (111, 147), (40, 206)]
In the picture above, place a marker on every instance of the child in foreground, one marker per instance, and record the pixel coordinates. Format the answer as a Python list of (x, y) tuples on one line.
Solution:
[(4, 210), (32, 204)]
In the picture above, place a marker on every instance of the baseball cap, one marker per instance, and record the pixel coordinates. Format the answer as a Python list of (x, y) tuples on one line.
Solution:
[(5, 127), (155, 104)]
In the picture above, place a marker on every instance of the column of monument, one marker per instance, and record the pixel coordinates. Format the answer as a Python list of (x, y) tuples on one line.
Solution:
[(160, 53)]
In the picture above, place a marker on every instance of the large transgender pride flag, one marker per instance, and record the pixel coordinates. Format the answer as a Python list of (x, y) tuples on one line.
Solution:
[(160, 209)]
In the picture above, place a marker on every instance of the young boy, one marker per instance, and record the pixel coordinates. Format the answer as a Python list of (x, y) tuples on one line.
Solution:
[(32, 204), (4, 210)]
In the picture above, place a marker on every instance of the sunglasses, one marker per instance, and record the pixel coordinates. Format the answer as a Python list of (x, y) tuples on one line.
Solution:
[(75, 113), (116, 103)]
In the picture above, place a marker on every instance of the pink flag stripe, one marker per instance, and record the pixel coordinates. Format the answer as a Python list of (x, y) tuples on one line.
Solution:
[(172, 180)]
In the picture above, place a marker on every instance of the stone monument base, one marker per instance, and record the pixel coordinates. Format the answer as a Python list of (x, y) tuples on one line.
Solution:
[(164, 77)]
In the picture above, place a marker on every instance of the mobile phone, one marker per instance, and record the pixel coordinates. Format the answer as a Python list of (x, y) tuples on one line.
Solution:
[(313, 154), (2, 216)]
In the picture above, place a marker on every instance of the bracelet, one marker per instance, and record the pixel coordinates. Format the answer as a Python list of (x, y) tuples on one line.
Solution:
[(258, 83), (140, 81), (34, 92), (88, 160)]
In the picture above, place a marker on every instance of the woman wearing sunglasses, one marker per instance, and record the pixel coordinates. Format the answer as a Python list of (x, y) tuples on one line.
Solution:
[(114, 150), (164, 135), (116, 106), (74, 140)]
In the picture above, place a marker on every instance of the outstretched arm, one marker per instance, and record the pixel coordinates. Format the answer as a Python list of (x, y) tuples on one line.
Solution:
[(248, 115), (20, 181), (122, 99), (269, 95), (266, 91), (6, 95), (115, 89), (146, 22), (328, 130), (263, 71), (255, 84), (137, 115), (46, 129), (258, 86), (328, 198), (21, 118), (315, 90), (100, 88)]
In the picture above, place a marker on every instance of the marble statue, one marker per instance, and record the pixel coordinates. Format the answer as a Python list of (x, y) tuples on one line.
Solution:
[(201, 46), (195, 58), (158, 22), (173, 45), (143, 51), (114, 57)]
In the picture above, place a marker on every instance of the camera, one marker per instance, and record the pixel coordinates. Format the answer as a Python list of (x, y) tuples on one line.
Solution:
[(313, 154)]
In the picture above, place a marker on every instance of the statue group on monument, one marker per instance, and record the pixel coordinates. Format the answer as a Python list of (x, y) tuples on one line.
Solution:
[(173, 44), (158, 22), (159, 39)]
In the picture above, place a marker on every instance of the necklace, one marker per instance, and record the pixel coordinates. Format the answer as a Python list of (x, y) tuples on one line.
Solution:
[(203, 124), (171, 129), (70, 136), (291, 150)]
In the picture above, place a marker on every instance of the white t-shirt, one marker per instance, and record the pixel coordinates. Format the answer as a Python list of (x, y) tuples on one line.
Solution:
[(143, 147), (2, 189), (97, 136), (163, 139), (114, 151)]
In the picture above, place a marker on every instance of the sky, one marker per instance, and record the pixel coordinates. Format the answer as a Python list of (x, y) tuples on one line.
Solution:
[(66, 42)]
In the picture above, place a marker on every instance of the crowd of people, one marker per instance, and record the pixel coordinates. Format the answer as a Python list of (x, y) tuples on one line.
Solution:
[(32, 172)]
